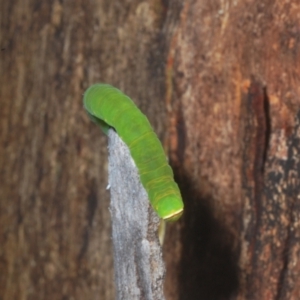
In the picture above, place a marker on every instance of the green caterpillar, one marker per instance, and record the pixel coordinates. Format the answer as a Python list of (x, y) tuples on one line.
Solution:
[(109, 107)]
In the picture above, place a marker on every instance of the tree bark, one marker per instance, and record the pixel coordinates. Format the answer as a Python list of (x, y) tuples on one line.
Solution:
[(219, 81), (234, 90)]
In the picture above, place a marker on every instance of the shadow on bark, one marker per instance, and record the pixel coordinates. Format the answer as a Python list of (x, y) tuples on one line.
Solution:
[(209, 266)]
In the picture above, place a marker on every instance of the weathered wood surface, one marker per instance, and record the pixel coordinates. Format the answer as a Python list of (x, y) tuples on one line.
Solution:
[(139, 268)]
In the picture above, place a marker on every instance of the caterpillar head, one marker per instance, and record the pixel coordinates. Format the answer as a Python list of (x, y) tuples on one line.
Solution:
[(169, 208)]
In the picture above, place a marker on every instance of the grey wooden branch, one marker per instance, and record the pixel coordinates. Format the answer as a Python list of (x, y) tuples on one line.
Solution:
[(139, 268)]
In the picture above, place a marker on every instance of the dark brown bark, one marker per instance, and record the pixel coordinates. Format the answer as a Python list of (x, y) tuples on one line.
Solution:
[(220, 83), (235, 84)]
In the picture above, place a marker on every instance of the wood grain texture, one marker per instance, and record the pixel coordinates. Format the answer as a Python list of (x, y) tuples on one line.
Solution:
[(55, 230), (139, 268)]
